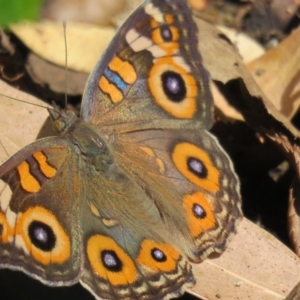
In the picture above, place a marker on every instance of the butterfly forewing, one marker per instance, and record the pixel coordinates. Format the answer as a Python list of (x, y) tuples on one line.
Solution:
[(151, 75)]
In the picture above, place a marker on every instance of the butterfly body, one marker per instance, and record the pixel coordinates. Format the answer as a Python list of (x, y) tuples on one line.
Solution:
[(136, 187)]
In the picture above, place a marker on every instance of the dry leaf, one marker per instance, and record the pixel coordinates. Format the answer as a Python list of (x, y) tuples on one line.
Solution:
[(255, 266), (47, 74), (88, 11), (294, 215), (278, 74), (86, 43), (21, 122), (247, 46)]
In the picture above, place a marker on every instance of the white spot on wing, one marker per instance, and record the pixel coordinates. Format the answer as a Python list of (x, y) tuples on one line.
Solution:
[(154, 12), (11, 217), (137, 42), (181, 62), (5, 195), (131, 36), (157, 51), (19, 242)]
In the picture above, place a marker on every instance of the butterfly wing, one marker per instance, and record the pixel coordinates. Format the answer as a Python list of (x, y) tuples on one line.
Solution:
[(153, 61), (123, 223), (170, 196), (62, 221), (127, 257), (39, 212), (191, 181)]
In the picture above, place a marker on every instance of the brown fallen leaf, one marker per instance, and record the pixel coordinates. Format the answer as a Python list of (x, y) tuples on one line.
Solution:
[(88, 11), (20, 122), (44, 73), (294, 215), (85, 42), (295, 293), (255, 266), (277, 72)]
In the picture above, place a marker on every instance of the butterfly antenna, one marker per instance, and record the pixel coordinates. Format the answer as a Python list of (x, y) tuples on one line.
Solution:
[(66, 62)]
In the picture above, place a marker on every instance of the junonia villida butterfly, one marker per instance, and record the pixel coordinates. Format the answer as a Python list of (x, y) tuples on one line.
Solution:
[(136, 187)]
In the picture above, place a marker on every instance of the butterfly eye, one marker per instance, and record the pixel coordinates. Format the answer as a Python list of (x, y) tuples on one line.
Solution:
[(59, 126)]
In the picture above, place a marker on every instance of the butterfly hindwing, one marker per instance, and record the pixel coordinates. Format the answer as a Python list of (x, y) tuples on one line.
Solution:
[(187, 175), (38, 204)]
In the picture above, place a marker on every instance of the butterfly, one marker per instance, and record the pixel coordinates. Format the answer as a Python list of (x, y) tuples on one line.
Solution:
[(136, 188)]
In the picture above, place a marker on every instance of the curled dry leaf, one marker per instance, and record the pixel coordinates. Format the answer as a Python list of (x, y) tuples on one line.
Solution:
[(277, 72), (237, 84)]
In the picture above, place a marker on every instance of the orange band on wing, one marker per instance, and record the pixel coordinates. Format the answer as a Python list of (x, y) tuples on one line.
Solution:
[(46, 169), (124, 69), (27, 181), (110, 89)]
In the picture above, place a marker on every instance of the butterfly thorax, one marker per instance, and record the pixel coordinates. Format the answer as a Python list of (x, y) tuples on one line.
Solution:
[(93, 147)]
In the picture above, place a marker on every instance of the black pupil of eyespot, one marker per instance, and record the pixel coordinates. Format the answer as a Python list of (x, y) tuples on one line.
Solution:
[(166, 33), (111, 261), (158, 255), (173, 86), (198, 211), (41, 235), (197, 167)]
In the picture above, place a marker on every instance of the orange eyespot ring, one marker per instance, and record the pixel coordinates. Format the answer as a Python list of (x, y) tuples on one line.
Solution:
[(173, 88), (109, 261), (6, 232), (44, 238), (158, 256), (199, 213), (195, 164)]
